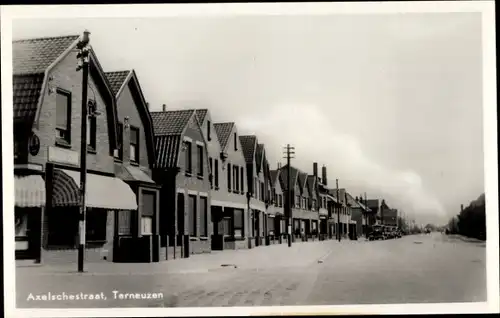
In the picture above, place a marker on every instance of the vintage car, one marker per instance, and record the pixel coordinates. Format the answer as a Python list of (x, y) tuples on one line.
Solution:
[(377, 233)]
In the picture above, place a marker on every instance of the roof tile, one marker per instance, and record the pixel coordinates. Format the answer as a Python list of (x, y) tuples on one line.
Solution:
[(26, 94), (201, 114), (248, 144), (33, 56), (166, 151), (223, 131), (116, 79), (171, 122)]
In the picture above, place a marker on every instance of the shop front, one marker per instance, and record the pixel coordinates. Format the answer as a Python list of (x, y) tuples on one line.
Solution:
[(111, 214), (28, 210)]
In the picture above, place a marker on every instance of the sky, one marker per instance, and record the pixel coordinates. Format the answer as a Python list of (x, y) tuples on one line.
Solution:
[(391, 104)]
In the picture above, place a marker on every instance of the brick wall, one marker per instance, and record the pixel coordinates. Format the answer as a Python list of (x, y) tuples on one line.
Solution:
[(65, 77)]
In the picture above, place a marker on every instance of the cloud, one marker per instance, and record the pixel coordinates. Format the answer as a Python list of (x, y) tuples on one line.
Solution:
[(315, 139)]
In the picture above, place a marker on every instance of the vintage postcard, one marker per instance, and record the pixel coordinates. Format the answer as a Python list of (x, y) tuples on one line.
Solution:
[(249, 159)]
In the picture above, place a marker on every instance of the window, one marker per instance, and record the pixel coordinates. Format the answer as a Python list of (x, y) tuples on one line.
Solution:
[(146, 225), (118, 153), (270, 225), (242, 180), (238, 223), (125, 222), (262, 192), (236, 184), (210, 160), (235, 142), (187, 158), (297, 201), (203, 217), (209, 136), (229, 172), (91, 132), (216, 174), (227, 225), (192, 215), (95, 225), (180, 213), (200, 160), (63, 116), (280, 200), (256, 188), (134, 144), (314, 204)]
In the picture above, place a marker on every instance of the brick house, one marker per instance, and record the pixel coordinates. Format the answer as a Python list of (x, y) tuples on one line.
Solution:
[(257, 168), (47, 134), (359, 214), (182, 170), (276, 210), (137, 237), (372, 218), (228, 190), (302, 214), (326, 203)]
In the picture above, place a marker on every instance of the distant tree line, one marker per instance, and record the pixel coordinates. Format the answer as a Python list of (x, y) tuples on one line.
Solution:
[(471, 221)]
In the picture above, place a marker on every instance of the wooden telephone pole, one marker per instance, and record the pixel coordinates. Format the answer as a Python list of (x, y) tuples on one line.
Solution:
[(289, 152)]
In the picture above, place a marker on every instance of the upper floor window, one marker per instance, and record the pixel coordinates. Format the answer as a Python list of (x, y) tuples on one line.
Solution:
[(209, 136), (229, 172), (91, 131), (262, 192), (200, 160), (236, 184), (235, 142), (280, 199), (134, 144), (216, 168), (118, 153), (297, 201), (210, 160), (63, 116), (187, 157), (242, 180), (313, 205)]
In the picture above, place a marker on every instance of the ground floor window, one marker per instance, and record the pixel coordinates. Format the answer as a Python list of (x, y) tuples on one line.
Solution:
[(21, 228), (203, 217), (192, 215), (146, 225), (63, 226), (125, 222), (270, 225), (238, 223), (95, 225), (226, 224)]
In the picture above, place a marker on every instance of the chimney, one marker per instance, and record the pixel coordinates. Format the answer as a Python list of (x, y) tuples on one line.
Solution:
[(461, 207), (323, 175), (357, 199), (315, 169), (164, 107)]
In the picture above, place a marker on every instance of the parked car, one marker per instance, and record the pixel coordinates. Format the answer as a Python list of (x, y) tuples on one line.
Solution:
[(377, 233)]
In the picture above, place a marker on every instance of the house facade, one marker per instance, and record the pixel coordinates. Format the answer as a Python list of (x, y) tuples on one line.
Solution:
[(303, 218), (256, 186), (228, 190), (138, 231), (276, 210), (372, 218), (182, 170), (360, 214), (47, 134)]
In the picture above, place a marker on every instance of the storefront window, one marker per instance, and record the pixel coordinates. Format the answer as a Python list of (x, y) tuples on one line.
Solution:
[(95, 225), (146, 225), (238, 223), (125, 222)]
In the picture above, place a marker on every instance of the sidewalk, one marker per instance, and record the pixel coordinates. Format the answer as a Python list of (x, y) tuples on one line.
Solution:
[(263, 257)]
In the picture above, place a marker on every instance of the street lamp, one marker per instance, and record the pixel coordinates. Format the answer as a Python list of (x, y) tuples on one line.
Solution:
[(83, 64)]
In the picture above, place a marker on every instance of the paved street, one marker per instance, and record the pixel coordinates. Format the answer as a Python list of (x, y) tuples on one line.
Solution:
[(414, 269)]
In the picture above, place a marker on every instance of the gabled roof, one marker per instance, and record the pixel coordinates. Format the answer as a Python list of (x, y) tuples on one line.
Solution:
[(34, 56), (200, 115), (30, 59), (223, 131), (372, 203), (31, 62), (171, 122), (259, 157), (311, 183), (117, 81), (303, 180), (249, 145), (294, 175), (275, 174)]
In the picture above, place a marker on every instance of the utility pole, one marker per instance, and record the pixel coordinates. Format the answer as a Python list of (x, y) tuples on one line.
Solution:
[(289, 152), (340, 209), (83, 64)]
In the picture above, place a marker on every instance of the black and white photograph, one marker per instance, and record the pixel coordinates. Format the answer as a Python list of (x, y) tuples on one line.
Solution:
[(214, 159)]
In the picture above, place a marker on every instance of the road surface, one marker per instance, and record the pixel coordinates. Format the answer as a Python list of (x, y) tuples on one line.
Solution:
[(413, 269)]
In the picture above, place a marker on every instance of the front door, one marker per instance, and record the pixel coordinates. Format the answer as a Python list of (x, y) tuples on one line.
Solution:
[(257, 227)]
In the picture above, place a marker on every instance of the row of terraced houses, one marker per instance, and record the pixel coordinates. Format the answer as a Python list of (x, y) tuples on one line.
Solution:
[(160, 184)]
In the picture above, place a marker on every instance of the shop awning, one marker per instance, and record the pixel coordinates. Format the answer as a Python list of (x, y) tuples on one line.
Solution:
[(30, 191), (101, 191), (132, 173)]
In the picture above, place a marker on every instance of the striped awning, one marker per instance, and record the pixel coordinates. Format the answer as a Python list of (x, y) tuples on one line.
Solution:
[(101, 191), (30, 191)]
